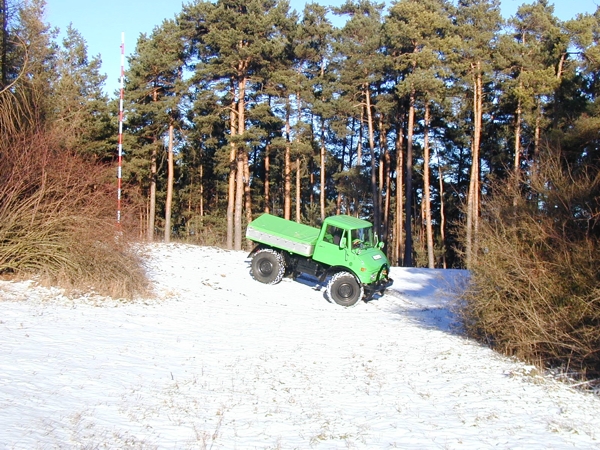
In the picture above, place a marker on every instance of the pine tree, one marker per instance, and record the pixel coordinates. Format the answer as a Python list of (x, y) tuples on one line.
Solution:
[(154, 90), (313, 47), (415, 33), (477, 26), (80, 109), (534, 62), (31, 54), (234, 40), (582, 133), (362, 72)]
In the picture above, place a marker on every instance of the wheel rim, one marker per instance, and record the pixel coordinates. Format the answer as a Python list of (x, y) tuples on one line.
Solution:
[(345, 291), (265, 267)]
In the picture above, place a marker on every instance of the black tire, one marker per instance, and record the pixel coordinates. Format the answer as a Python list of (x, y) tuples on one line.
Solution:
[(268, 266), (344, 289)]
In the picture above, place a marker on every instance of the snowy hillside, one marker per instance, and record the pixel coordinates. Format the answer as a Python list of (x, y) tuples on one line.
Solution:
[(221, 361)]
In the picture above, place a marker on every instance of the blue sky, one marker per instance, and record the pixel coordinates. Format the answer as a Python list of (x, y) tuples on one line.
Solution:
[(102, 22)]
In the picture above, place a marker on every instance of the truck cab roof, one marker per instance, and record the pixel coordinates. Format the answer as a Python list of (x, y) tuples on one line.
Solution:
[(347, 222)]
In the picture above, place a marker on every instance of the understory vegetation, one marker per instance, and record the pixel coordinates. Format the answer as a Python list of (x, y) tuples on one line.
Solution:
[(57, 220), (535, 290)]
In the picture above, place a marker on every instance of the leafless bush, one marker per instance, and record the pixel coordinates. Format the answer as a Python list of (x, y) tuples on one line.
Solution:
[(535, 289), (57, 219)]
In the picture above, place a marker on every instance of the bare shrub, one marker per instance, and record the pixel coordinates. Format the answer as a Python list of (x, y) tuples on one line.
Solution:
[(57, 220), (535, 290)]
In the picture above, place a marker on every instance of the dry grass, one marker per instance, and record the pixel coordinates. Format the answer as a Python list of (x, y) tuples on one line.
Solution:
[(535, 289), (57, 220)]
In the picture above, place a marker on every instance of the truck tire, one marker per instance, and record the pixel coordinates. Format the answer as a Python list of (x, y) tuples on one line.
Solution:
[(344, 289), (268, 266)]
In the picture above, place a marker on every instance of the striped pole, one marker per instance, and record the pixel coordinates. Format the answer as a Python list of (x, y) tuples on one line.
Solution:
[(119, 170)]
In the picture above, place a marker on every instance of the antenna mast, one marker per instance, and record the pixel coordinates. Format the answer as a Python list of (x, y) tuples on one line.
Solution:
[(120, 148)]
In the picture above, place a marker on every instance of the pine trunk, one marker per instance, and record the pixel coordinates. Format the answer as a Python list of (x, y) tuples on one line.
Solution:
[(169, 199), (442, 217), (473, 195), (426, 191), (374, 190), (323, 188), (247, 193), (287, 178), (152, 207), (517, 161), (232, 177), (384, 177), (298, 191), (239, 188), (399, 229), (408, 249), (266, 181)]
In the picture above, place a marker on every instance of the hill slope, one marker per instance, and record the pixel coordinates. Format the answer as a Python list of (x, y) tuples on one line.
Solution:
[(221, 361)]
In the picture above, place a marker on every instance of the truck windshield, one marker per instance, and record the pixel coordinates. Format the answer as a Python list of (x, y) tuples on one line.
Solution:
[(362, 238)]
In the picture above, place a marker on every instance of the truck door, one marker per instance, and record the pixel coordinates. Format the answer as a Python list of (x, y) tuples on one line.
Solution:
[(332, 249)]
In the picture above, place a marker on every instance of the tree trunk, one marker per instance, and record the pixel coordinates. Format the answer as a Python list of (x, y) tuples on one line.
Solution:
[(399, 229), (247, 193), (239, 201), (473, 195), (152, 208), (442, 217), (359, 158), (298, 191), (323, 155), (374, 189), (426, 191), (267, 182), (170, 177), (536, 145), (201, 191), (287, 178), (517, 161), (232, 176), (239, 189), (408, 249), (384, 177)]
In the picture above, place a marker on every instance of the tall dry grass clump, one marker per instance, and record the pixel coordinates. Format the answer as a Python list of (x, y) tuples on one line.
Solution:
[(57, 220), (535, 290)]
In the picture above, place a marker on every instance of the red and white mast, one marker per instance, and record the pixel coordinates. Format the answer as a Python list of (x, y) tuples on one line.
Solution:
[(120, 147)]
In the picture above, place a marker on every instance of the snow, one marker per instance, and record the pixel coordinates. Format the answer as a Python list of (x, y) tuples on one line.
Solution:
[(217, 360)]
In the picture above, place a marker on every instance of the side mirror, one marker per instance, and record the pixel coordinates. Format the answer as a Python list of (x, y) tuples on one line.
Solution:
[(343, 242), (380, 245)]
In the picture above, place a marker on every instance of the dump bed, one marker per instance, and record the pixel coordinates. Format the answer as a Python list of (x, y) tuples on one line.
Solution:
[(283, 234)]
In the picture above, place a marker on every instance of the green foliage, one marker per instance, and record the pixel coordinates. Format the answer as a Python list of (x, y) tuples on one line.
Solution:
[(80, 109)]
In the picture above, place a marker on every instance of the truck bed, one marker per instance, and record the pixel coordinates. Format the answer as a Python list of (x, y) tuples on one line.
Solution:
[(284, 234)]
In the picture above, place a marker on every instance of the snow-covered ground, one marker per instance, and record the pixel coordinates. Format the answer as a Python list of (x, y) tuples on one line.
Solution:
[(221, 361)]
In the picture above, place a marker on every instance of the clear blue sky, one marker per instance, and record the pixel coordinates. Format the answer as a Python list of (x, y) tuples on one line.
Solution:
[(101, 22)]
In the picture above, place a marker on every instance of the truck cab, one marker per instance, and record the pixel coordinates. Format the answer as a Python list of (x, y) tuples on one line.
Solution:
[(348, 242)]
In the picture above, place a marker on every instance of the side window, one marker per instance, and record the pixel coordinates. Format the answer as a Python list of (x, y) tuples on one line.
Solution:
[(333, 235)]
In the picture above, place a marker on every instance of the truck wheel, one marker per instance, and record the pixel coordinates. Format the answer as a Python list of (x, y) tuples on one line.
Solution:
[(268, 266), (344, 289)]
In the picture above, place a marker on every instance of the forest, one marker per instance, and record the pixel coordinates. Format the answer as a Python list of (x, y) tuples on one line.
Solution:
[(469, 140)]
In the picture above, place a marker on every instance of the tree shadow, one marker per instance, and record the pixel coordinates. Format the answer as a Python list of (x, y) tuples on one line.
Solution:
[(429, 297)]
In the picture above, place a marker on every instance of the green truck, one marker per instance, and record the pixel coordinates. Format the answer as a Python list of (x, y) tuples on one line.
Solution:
[(345, 250)]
